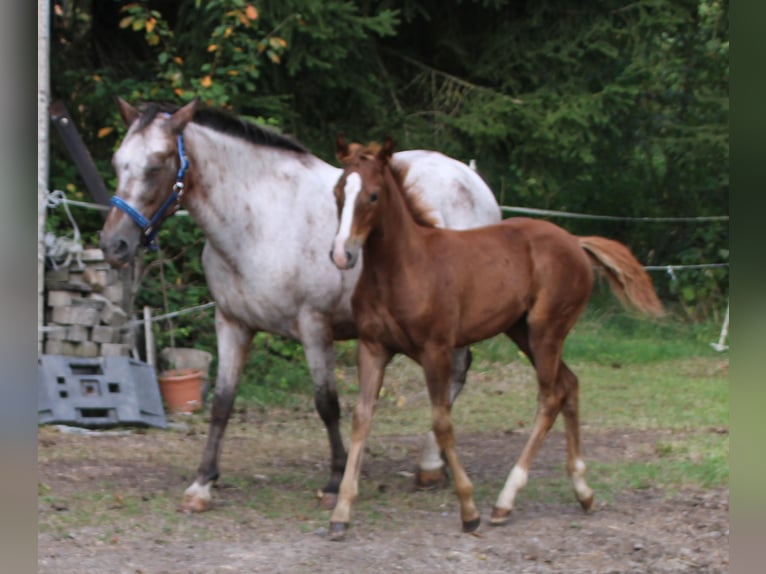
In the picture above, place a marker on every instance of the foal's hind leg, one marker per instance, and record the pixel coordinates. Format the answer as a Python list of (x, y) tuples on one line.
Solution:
[(575, 463), (544, 350), (233, 341), (431, 472), (317, 339)]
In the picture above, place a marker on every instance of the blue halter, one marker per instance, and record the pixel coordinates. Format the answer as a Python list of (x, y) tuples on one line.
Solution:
[(151, 227)]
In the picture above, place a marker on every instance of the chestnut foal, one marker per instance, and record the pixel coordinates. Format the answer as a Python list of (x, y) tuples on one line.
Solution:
[(424, 291)]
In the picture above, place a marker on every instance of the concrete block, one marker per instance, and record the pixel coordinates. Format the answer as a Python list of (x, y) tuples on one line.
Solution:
[(57, 275), (86, 349), (59, 347), (60, 298), (75, 276), (114, 292), (127, 336), (95, 278), (115, 349), (77, 333), (57, 333), (186, 358), (77, 286), (92, 301), (114, 316), (105, 334), (75, 315), (100, 392), (92, 254)]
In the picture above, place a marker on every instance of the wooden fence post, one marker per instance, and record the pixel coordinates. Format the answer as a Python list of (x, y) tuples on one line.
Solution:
[(43, 95)]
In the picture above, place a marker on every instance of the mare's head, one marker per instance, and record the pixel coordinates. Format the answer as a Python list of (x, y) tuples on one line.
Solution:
[(147, 164), (358, 194)]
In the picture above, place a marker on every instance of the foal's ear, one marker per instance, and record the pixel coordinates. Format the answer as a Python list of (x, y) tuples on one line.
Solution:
[(341, 147), (387, 149), (183, 116), (129, 113)]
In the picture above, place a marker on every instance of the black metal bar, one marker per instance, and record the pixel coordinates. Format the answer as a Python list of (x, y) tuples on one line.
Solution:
[(80, 154)]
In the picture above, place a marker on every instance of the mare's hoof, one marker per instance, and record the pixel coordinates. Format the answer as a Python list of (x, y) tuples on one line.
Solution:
[(500, 516), (327, 500), (587, 504), (191, 503), (338, 531), (431, 479), (471, 525)]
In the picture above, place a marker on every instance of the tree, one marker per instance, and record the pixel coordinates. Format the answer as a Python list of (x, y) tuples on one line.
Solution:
[(604, 107)]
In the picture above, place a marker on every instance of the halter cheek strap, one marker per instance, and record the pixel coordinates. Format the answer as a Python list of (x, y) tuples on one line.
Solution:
[(151, 227)]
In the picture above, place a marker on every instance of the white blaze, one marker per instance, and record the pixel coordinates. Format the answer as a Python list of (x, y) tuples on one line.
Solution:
[(351, 191)]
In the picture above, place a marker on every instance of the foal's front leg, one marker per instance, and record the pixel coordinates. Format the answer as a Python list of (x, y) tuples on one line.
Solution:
[(233, 341), (431, 472), (436, 364), (372, 359)]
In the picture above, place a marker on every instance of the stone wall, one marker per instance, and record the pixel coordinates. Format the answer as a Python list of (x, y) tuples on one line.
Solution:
[(87, 309)]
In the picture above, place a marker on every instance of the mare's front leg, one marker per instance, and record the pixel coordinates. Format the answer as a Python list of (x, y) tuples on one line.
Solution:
[(372, 359), (317, 339), (431, 472), (233, 341)]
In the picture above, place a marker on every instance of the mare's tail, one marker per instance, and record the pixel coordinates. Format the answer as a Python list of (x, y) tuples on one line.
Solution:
[(627, 277)]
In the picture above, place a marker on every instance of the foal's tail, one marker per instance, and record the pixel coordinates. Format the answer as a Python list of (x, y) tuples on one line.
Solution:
[(627, 277)]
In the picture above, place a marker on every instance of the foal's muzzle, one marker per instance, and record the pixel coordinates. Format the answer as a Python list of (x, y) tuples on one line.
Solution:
[(345, 260)]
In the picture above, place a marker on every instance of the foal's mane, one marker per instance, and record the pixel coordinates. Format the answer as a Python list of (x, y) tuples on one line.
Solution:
[(225, 122), (418, 208)]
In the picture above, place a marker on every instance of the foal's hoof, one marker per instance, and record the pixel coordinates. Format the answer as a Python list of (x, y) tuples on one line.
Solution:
[(327, 500), (431, 479), (471, 525), (587, 504), (338, 531), (191, 503), (500, 516)]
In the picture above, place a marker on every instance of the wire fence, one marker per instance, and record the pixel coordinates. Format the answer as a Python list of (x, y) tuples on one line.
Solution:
[(58, 197)]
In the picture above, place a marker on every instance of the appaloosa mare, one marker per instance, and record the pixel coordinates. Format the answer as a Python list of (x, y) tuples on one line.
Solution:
[(424, 291), (267, 210)]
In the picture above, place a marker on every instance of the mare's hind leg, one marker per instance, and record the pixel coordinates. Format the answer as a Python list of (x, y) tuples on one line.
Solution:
[(544, 350), (317, 339), (233, 341), (575, 463), (431, 471)]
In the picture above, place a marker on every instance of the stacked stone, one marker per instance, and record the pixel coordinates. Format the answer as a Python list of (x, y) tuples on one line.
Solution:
[(85, 309)]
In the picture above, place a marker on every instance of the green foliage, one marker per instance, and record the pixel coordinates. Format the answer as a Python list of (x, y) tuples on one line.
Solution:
[(604, 107)]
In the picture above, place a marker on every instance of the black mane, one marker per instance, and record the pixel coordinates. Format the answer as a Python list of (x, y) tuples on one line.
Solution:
[(225, 122)]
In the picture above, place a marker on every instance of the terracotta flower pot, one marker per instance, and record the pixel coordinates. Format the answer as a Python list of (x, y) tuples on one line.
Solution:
[(181, 389)]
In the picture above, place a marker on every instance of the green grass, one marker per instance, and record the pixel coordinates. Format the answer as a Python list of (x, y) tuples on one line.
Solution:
[(653, 391)]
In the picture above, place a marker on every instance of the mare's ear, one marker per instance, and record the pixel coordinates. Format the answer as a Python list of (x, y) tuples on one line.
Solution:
[(129, 113), (183, 116), (387, 149), (341, 147)]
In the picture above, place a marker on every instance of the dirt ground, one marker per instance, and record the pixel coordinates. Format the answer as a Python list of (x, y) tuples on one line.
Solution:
[(107, 505)]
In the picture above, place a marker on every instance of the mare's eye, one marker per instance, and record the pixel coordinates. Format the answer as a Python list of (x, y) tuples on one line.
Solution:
[(373, 197), (153, 170)]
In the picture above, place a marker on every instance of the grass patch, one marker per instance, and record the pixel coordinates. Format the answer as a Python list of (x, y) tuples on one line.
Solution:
[(654, 399)]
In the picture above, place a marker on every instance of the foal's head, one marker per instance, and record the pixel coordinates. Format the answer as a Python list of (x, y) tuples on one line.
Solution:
[(357, 194), (146, 164)]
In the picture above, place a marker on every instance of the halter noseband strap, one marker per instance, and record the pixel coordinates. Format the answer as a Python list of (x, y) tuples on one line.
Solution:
[(151, 228)]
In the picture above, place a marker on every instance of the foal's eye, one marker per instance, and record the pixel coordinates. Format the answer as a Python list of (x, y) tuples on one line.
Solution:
[(373, 197), (153, 170)]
